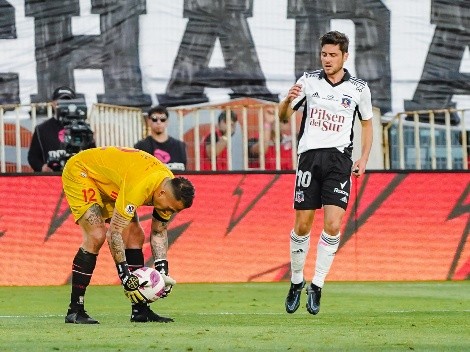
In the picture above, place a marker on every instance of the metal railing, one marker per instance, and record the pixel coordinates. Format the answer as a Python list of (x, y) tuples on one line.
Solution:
[(409, 143), (116, 125), (194, 124)]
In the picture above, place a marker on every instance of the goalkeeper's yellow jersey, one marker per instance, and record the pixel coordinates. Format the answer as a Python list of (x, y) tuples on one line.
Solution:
[(124, 178)]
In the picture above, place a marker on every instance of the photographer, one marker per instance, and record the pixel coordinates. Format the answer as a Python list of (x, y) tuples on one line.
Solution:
[(49, 149)]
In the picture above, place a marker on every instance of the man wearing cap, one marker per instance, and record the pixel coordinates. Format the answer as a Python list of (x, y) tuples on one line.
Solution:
[(48, 136)]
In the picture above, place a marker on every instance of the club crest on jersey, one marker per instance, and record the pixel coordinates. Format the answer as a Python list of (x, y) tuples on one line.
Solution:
[(299, 196), (129, 209), (346, 102)]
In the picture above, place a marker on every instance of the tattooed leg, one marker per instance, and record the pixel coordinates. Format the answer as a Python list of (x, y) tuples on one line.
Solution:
[(93, 229)]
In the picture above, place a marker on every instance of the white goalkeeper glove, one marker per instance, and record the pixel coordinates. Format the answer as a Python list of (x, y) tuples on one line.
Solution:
[(169, 283), (161, 265)]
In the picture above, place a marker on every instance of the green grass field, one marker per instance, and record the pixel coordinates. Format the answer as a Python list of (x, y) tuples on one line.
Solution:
[(419, 316)]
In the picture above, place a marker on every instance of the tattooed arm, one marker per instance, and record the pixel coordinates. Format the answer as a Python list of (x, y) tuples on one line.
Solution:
[(159, 245), (114, 237), (129, 281), (159, 239)]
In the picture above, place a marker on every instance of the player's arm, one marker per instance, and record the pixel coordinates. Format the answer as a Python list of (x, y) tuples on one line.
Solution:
[(285, 108), (129, 281), (366, 146), (159, 247), (114, 236)]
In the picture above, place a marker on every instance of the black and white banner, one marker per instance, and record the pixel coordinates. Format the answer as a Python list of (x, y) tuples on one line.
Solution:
[(414, 54)]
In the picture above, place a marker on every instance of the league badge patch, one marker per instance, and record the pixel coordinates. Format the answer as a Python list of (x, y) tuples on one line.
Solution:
[(129, 209)]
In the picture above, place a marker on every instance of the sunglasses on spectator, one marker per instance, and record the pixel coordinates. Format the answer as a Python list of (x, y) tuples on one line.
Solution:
[(162, 119)]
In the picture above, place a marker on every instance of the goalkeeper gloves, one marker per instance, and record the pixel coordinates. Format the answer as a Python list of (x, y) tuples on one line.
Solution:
[(162, 267), (130, 283)]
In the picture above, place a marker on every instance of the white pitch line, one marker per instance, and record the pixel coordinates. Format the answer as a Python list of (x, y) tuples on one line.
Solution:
[(243, 313)]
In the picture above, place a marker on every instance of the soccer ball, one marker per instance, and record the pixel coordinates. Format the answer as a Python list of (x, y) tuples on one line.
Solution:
[(151, 283)]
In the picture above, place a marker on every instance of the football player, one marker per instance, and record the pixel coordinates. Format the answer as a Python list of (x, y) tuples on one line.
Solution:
[(333, 100), (108, 185)]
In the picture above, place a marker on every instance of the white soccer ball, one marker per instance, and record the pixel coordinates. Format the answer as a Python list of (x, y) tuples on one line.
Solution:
[(151, 283)]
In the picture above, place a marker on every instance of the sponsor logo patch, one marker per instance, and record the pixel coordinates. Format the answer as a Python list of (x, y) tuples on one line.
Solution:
[(337, 190)]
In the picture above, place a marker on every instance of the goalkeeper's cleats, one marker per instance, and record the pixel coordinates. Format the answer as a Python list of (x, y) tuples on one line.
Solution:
[(313, 299), (293, 297), (141, 313), (79, 316)]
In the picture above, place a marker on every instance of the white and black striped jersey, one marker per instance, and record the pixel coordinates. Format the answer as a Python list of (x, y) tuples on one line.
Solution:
[(330, 110)]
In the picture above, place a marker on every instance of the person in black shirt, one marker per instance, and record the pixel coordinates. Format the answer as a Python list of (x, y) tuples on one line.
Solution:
[(48, 136), (165, 148)]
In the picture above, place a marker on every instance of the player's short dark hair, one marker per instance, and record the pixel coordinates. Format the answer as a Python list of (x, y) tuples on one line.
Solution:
[(159, 109), (223, 116), (335, 38), (183, 190)]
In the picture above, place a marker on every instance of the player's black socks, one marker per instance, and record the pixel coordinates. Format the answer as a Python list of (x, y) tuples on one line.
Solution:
[(134, 258), (82, 268)]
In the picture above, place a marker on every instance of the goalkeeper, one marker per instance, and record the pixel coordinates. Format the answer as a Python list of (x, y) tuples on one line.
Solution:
[(107, 185)]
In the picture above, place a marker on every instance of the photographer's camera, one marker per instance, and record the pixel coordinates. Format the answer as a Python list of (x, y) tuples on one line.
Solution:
[(77, 133)]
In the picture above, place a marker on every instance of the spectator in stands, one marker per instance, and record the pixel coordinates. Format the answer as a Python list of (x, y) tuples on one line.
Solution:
[(220, 143), (165, 148), (48, 136), (285, 144)]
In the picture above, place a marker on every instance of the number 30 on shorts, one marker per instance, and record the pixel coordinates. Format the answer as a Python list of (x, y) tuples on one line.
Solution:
[(303, 178)]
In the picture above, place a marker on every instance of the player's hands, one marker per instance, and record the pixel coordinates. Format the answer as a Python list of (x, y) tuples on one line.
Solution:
[(169, 283), (130, 283), (359, 167), (161, 265), (134, 296), (294, 92)]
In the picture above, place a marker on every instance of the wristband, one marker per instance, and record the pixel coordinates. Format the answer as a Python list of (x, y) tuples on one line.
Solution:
[(161, 266), (157, 216), (123, 271)]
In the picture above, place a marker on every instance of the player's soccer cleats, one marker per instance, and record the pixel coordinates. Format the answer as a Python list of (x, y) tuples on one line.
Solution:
[(313, 299), (293, 297), (141, 313), (79, 316)]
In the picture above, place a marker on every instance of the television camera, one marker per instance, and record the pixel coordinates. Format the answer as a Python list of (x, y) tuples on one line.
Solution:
[(77, 133)]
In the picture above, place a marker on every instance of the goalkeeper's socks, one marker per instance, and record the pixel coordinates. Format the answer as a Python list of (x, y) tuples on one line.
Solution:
[(139, 312), (134, 258), (82, 269), (326, 250), (139, 308)]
